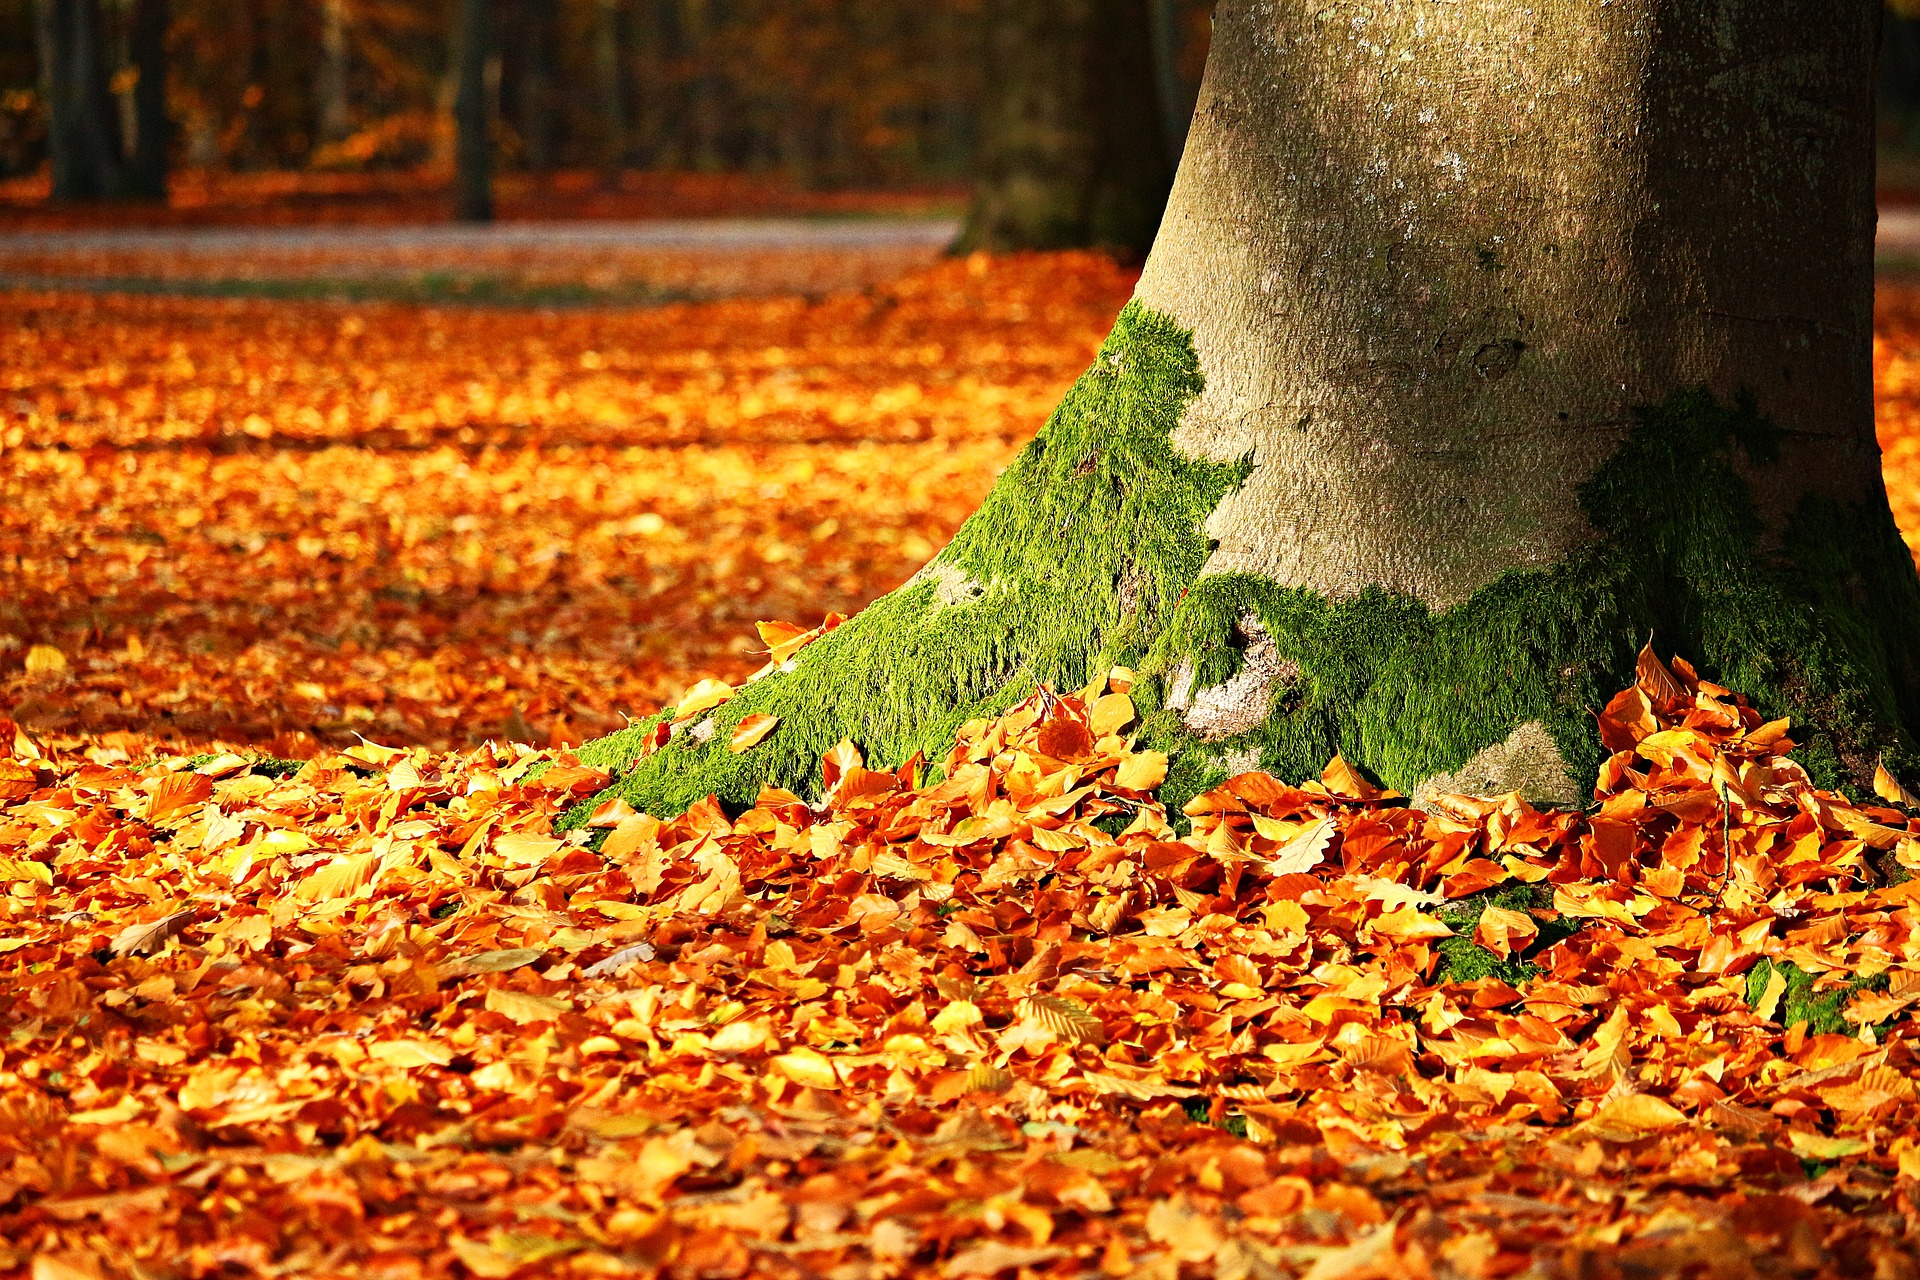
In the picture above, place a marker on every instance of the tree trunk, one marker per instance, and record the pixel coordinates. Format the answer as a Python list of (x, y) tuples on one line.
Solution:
[(147, 169), (473, 147), (609, 86), (330, 80), (534, 96), (1072, 149), (1170, 90), (1479, 344), (83, 139)]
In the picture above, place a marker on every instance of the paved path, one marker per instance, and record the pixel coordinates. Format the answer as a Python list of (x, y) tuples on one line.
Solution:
[(584, 262), (1899, 235), (717, 235)]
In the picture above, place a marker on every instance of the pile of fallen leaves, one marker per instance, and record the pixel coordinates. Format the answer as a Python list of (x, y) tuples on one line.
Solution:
[(376, 1017)]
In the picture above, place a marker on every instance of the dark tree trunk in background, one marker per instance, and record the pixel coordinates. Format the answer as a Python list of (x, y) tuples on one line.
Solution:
[(1073, 146), (1174, 94), (147, 168), (82, 139), (473, 148), (608, 83), (330, 85), (533, 99)]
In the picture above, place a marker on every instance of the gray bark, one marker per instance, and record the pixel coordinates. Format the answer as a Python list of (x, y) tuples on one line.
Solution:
[(1434, 255)]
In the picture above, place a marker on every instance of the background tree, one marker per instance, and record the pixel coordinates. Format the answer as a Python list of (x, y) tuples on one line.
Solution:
[(473, 142), (152, 134), (82, 137), (1479, 345), (1075, 147)]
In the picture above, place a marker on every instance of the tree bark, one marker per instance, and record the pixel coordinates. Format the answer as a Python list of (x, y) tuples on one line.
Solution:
[(1479, 344), (473, 145), (147, 168), (82, 136), (1073, 149)]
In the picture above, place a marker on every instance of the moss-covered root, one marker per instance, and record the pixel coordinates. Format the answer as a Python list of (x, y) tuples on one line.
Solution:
[(1088, 554), (1074, 562)]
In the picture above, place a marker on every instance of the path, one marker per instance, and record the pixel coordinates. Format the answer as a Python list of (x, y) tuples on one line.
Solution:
[(614, 261)]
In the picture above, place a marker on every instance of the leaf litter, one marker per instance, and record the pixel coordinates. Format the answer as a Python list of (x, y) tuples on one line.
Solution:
[(367, 1012), (996, 1016)]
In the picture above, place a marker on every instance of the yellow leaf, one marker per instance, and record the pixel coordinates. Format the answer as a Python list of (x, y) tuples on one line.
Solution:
[(523, 1007), (25, 869), (482, 1260), (957, 1016), (410, 1053), (1142, 772), (119, 1113), (1634, 1116), (45, 660), (1504, 932), (808, 1067), (1305, 847), (1110, 714), (752, 731), (341, 878), (525, 848), (1817, 1146), (704, 696), (1888, 788)]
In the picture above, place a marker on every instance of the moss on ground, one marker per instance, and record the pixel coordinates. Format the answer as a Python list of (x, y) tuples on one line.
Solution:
[(1823, 1011), (259, 766), (1464, 960), (1088, 551)]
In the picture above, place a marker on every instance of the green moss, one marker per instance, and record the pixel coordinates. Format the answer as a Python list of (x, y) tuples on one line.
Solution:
[(1074, 562), (259, 766), (1824, 628), (1464, 960), (1823, 1011)]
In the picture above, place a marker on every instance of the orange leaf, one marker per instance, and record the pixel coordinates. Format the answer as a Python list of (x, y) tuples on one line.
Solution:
[(752, 731)]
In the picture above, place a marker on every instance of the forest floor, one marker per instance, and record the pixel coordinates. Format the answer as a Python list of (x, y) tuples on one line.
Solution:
[(303, 982)]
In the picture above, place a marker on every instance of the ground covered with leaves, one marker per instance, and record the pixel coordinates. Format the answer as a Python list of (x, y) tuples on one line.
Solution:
[(285, 1001), (277, 525), (374, 1016)]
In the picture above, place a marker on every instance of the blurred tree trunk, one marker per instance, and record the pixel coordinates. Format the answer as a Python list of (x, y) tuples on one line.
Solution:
[(147, 168), (1174, 95), (609, 89), (703, 104), (82, 138), (534, 99), (473, 148), (334, 121), (1071, 152)]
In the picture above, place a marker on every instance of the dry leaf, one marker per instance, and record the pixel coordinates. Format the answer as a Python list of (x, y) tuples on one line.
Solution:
[(752, 731)]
